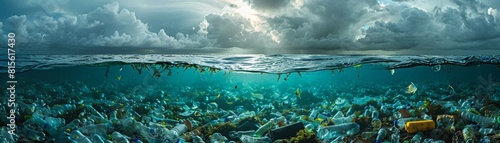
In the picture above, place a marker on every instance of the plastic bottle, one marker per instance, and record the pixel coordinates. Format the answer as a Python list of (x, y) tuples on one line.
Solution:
[(425, 116), (197, 139), (368, 135), (340, 119), (314, 114), (486, 139), (238, 134), (212, 107), (264, 128), (179, 129), (468, 133), (32, 134), (417, 138), (77, 136), (217, 138), (350, 111), (400, 123), (333, 131), (395, 136), (428, 140), (247, 139), (250, 139), (172, 136), (99, 129), (444, 104), (381, 135), (483, 121), (59, 110), (94, 111), (7, 136), (119, 138), (375, 114), (376, 124), (38, 121), (486, 131), (96, 139), (99, 120), (56, 122)]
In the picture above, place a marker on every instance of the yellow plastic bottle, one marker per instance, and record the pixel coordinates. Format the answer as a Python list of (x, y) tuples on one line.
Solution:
[(420, 126)]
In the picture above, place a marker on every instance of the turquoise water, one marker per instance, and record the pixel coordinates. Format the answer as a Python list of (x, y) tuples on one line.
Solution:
[(292, 86)]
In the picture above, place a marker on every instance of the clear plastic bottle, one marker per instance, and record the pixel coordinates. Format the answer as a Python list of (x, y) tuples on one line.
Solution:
[(368, 135), (217, 138), (94, 111), (6, 135), (333, 131), (96, 139), (375, 114), (59, 110), (381, 135), (444, 104), (428, 140), (486, 131), (119, 138), (483, 121), (425, 116), (99, 129), (376, 124), (32, 134), (56, 122), (486, 139), (38, 121), (340, 119), (197, 139), (77, 136), (212, 107), (417, 138), (314, 114), (238, 134), (395, 136), (179, 129), (247, 139), (400, 123), (264, 128)]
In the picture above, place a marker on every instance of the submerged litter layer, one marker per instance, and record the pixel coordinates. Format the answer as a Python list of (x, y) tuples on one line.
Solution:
[(382, 111), (247, 63), (191, 98)]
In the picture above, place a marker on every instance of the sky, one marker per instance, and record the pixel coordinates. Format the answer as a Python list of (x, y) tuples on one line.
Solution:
[(253, 26)]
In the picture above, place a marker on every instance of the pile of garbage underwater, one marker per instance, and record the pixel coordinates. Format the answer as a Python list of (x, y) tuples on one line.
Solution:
[(435, 113)]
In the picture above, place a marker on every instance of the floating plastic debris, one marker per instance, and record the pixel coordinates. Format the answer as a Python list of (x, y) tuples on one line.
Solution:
[(411, 89)]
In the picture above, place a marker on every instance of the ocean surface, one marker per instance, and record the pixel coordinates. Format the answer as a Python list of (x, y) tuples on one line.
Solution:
[(217, 96)]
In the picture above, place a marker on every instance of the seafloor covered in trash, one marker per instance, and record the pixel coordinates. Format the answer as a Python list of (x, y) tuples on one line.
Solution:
[(189, 103)]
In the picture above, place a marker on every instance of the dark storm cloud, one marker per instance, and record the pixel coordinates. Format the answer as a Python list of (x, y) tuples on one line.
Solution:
[(106, 26), (269, 5), (463, 28)]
